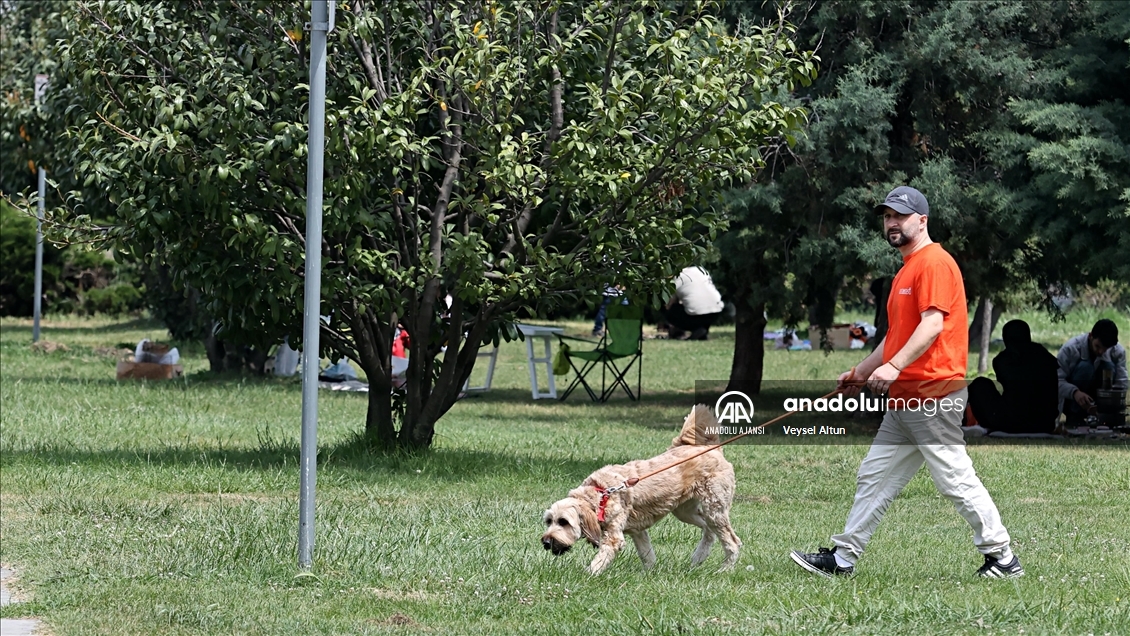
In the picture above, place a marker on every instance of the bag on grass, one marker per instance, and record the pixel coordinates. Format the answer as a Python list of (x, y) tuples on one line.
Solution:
[(561, 360)]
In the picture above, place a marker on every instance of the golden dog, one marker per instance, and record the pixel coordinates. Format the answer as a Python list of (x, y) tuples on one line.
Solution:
[(698, 492)]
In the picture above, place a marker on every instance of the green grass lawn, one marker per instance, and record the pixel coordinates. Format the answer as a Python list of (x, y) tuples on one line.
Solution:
[(171, 508)]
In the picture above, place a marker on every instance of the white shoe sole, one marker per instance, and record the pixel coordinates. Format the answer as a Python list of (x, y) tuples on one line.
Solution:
[(996, 573), (799, 558)]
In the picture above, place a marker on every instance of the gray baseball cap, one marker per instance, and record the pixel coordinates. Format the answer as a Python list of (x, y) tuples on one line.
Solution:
[(905, 200)]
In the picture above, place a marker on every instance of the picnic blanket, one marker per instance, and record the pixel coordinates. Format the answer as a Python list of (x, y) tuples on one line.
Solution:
[(344, 385)]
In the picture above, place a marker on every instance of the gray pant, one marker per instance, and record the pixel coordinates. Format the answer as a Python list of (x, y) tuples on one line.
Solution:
[(907, 439)]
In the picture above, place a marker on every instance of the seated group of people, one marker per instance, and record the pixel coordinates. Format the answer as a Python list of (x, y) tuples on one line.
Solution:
[(1039, 386)]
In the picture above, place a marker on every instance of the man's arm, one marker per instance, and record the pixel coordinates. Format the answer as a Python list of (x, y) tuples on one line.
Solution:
[(1067, 359), (680, 292), (871, 362), (1118, 357), (927, 331)]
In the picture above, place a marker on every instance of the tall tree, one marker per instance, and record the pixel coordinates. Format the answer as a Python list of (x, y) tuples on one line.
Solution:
[(32, 135), (512, 154), (23, 55), (1066, 156), (909, 94)]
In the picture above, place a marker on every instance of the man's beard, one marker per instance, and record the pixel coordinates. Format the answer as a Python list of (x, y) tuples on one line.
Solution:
[(898, 239)]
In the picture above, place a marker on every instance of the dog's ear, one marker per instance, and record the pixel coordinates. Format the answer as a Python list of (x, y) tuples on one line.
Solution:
[(590, 527)]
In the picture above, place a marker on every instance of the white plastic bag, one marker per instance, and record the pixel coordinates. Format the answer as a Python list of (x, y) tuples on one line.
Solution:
[(286, 359), (339, 372), (143, 353)]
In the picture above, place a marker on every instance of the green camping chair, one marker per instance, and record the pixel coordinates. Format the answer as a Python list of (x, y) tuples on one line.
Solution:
[(618, 350)]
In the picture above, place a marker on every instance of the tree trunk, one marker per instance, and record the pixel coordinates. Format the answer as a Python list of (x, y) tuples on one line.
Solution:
[(822, 302), (416, 433), (431, 391), (986, 333), (216, 352), (881, 288), (378, 419), (417, 430), (374, 353), (233, 358), (428, 394), (976, 323), (257, 358), (749, 348)]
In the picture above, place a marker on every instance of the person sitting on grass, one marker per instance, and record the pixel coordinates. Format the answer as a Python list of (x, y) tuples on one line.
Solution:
[(695, 305), (1084, 361), (1026, 371)]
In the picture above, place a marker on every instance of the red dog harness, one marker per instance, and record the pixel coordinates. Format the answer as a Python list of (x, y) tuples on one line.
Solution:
[(604, 496)]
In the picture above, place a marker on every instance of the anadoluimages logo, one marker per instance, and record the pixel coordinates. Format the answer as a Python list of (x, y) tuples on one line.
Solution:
[(734, 407)]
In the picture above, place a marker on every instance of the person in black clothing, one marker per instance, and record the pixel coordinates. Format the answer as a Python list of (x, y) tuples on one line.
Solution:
[(1027, 371)]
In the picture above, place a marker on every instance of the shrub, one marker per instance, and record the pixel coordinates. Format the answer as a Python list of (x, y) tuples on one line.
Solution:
[(75, 279), (17, 264), (116, 298)]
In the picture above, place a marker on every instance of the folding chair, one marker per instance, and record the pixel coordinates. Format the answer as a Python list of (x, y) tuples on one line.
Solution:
[(616, 352)]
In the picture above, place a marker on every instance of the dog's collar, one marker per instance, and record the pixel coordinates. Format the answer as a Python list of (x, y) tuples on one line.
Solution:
[(604, 496)]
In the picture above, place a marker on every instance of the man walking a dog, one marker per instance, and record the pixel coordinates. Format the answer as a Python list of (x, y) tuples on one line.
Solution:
[(924, 355)]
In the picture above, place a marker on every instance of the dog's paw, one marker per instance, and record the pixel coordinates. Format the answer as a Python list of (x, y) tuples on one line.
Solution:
[(596, 569), (726, 567)]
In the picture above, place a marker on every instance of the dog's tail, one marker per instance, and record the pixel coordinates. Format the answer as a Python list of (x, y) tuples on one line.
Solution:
[(699, 427)]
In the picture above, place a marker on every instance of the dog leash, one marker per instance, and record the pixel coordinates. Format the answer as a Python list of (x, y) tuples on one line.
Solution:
[(635, 480)]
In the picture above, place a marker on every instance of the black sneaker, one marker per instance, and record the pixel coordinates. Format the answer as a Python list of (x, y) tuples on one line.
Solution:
[(996, 569), (822, 563)]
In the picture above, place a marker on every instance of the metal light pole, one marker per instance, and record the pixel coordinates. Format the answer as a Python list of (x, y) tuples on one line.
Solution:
[(37, 303), (321, 16)]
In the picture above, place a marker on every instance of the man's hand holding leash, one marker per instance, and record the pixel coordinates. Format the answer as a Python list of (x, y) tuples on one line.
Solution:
[(882, 378), (851, 382)]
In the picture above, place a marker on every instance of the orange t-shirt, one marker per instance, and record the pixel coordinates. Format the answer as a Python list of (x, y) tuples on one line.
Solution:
[(929, 279)]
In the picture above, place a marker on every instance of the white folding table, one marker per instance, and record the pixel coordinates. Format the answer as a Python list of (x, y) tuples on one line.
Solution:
[(491, 356), (546, 335)]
